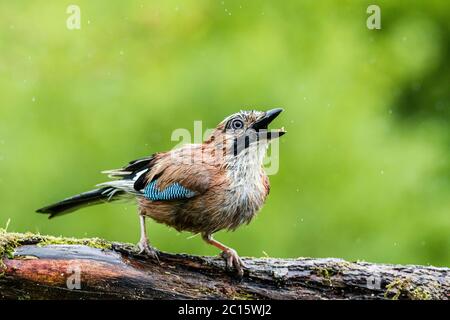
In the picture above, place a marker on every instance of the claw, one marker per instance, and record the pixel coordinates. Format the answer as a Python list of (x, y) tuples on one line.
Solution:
[(145, 248), (233, 260)]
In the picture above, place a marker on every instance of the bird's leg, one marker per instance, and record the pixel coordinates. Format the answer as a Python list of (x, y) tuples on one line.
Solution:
[(228, 254), (143, 244)]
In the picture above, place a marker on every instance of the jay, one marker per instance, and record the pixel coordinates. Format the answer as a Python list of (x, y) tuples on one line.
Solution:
[(201, 188)]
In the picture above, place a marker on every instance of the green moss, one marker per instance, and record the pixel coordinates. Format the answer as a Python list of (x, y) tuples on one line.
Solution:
[(244, 296), (7, 245), (420, 294), (395, 287), (345, 265), (247, 296), (325, 273), (404, 287), (90, 242)]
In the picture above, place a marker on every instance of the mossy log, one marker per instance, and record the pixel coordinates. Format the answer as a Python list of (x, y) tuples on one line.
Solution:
[(44, 267)]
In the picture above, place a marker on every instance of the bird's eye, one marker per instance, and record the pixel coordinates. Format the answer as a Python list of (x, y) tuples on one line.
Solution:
[(237, 124)]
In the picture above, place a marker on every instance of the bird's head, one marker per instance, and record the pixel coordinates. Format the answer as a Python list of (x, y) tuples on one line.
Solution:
[(245, 132)]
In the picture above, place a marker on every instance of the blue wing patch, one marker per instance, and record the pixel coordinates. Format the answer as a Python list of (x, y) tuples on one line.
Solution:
[(175, 191)]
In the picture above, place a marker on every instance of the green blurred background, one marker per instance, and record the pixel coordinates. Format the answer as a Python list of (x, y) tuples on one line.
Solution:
[(364, 169)]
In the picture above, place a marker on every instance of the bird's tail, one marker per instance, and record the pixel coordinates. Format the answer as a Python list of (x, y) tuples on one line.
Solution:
[(84, 199)]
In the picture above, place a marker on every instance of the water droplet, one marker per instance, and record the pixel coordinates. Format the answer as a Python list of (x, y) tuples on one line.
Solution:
[(382, 171), (33, 99), (121, 52)]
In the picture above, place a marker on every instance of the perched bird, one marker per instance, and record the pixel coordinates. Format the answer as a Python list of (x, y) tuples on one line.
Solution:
[(202, 188)]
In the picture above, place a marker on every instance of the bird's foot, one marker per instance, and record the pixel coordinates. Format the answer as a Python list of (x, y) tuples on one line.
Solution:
[(145, 248), (233, 260)]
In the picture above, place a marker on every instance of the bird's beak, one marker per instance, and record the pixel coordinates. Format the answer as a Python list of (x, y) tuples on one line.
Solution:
[(262, 124)]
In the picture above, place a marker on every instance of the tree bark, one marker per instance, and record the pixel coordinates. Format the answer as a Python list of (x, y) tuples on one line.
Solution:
[(42, 267)]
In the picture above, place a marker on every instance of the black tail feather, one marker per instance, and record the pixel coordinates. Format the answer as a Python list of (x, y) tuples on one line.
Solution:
[(84, 199)]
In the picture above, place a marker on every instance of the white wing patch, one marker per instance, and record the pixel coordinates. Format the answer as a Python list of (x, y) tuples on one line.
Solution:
[(126, 185)]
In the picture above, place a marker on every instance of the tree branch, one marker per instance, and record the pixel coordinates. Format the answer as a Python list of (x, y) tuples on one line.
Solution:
[(44, 267)]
